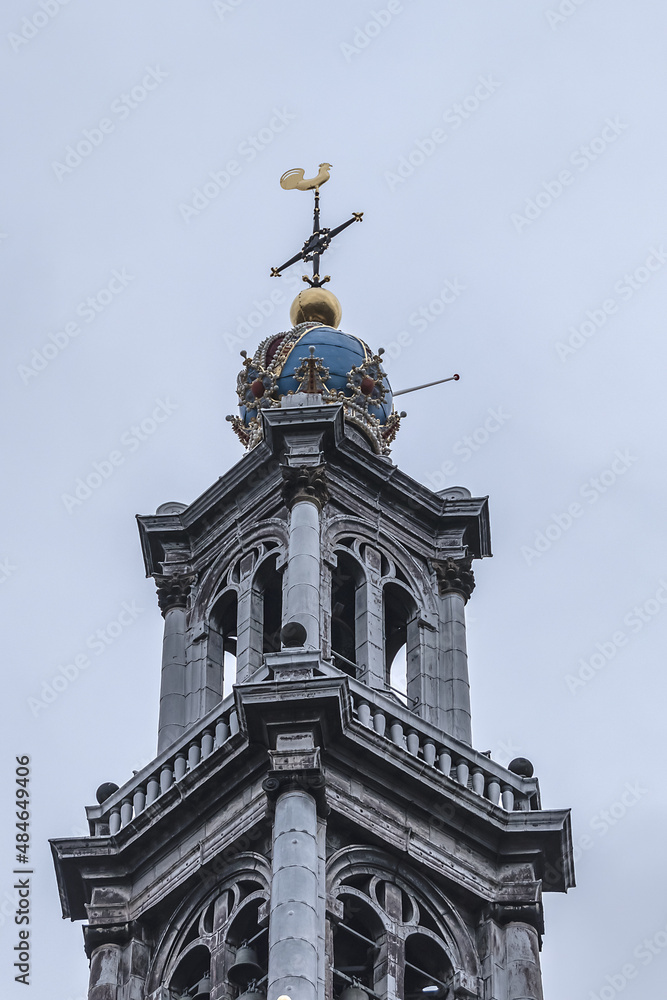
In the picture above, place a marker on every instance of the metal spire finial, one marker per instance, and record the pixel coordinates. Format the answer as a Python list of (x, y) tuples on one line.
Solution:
[(320, 239)]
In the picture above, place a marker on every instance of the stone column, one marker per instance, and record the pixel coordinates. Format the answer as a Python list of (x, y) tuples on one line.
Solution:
[(172, 597), (456, 583), (368, 623), (304, 493), (293, 924), (105, 969), (524, 977), (510, 950)]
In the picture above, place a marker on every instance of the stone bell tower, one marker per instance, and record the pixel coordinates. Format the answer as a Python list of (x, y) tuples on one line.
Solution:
[(326, 831)]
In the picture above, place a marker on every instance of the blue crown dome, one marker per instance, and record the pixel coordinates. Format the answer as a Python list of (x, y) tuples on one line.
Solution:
[(317, 359), (340, 353)]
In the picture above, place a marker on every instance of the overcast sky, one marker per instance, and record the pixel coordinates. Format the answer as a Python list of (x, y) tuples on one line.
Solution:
[(510, 160)]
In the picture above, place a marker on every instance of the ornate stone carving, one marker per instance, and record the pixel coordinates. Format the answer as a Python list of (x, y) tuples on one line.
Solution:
[(455, 576), (304, 483), (173, 590)]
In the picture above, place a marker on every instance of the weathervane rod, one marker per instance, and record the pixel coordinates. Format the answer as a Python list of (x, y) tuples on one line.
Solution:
[(427, 385)]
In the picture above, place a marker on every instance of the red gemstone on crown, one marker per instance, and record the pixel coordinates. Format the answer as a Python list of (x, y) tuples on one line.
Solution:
[(367, 385), (257, 388)]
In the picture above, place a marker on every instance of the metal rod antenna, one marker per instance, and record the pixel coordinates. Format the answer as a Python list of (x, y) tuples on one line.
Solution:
[(427, 385)]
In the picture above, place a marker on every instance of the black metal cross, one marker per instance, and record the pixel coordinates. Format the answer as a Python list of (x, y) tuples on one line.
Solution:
[(315, 246)]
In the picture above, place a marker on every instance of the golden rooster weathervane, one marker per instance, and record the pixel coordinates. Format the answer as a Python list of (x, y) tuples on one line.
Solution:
[(317, 243), (294, 179)]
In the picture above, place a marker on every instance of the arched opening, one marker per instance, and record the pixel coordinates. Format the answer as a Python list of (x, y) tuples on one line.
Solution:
[(427, 968), (192, 975), (268, 603), (357, 942), (346, 612), (249, 944), (222, 638), (399, 615)]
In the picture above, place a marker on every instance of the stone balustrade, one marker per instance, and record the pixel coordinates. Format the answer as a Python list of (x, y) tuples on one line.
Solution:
[(169, 767), (377, 711), (387, 717)]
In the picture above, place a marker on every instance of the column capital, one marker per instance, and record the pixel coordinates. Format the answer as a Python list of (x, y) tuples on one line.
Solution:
[(522, 913), (298, 770), (99, 935), (455, 576), (173, 590), (304, 482)]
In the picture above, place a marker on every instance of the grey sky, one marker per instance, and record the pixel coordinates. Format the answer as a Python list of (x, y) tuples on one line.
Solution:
[(510, 162)]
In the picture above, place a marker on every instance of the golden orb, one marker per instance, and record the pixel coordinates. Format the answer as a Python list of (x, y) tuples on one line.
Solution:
[(316, 304)]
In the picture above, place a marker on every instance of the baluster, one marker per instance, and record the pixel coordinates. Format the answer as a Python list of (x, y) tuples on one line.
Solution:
[(478, 781), (126, 812), (166, 778), (152, 790), (194, 755), (462, 772), (206, 743), (114, 821), (396, 732), (493, 791), (429, 752), (180, 766), (379, 722), (233, 722), (413, 743), (364, 712), (508, 798), (139, 801), (221, 732), (445, 762)]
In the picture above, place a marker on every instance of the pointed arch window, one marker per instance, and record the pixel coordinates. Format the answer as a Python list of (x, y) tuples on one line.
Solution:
[(385, 943)]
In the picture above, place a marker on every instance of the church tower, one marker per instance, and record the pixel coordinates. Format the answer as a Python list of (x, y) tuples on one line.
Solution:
[(326, 831)]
